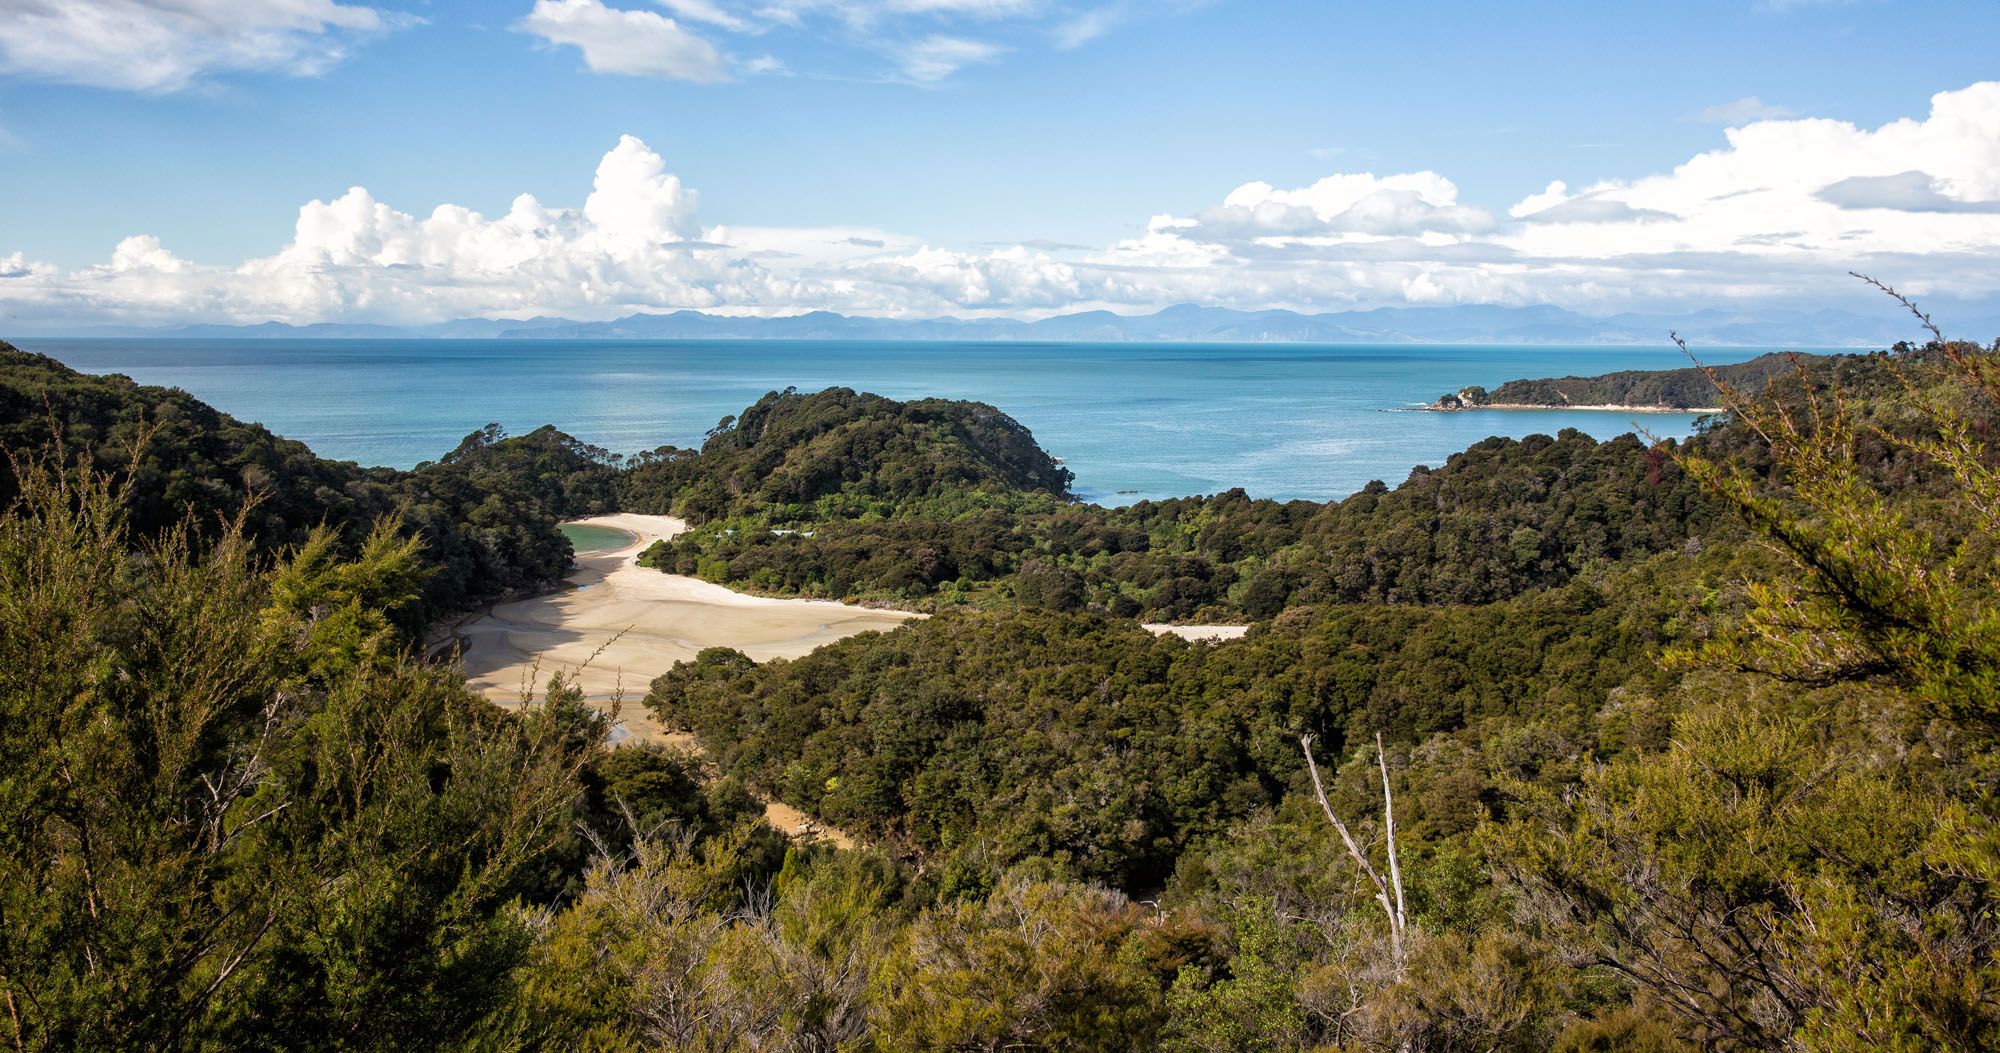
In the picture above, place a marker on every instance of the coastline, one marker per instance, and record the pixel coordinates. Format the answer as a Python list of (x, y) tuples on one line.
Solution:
[(616, 625), (630, 538), (1583, 408)]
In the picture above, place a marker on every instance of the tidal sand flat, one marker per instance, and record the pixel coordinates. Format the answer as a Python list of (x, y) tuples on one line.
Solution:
[(631, 623)]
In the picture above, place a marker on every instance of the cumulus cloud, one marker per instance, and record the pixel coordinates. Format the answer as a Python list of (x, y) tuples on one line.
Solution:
[(143, 252), (1902, 192), (635, 242), (168, 45), (1349, 203), (1782, 209), (637, 43), (1555, 204), (1763, 196), (635, 201), (18, 265)]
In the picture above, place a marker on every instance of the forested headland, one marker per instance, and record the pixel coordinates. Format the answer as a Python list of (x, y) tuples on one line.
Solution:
[(1683, 745), (1695, 387), (181, 463)]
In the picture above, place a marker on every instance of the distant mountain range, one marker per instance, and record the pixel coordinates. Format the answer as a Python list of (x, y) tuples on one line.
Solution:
[(1186, 323)]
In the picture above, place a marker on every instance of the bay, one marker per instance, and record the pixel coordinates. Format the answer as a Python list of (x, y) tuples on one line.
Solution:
[(1131, 420)]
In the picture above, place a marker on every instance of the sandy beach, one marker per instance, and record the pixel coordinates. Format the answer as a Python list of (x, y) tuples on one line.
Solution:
[(623, 625), (631, 623), (1210, 633)]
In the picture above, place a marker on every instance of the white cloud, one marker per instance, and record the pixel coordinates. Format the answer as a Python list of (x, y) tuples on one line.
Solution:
[(974, 8), (143, 252), (868, 12), (1781, 210), (637, 202), (936, 57), (1555, 194), (1781, 6), (1765, 195), (1079, 26), (1347, 203), (807, 247), (637, 43), (1083, 28), (168, 45), (1903, 192), (707, 11), (1739, 111), (18, 265), (925, 41), (1555, 204)]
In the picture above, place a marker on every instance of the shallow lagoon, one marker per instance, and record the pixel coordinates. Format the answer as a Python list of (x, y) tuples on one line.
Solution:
[(587, 539)]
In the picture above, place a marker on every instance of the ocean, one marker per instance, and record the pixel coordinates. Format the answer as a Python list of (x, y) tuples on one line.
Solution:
[(1132, 421)]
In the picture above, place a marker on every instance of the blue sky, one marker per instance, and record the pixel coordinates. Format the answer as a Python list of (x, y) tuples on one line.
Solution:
[(1010, 156)]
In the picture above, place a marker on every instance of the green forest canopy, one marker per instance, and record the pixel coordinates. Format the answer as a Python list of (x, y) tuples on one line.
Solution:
[(181, 460), (1707, 764), (1694, 387)]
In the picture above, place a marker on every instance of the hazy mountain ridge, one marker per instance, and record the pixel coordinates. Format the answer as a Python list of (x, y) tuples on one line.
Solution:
[(1189, 323)]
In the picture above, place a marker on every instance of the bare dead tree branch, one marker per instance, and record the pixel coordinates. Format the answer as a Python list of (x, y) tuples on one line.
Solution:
[(1389, 818), (1391, 908)]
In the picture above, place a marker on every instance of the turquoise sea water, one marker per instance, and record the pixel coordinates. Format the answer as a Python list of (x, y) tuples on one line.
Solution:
[(1132, 421), (586, 539)]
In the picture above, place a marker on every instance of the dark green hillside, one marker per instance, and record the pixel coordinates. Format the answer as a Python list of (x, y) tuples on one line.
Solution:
[(1502, 518), (834, 453), (481, 538), (563, 476), (1675, 388), (981, 739), (1732, 795), (1687, 747), (236, 813)]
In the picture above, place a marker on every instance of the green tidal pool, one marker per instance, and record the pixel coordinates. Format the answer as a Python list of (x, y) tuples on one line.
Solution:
[(588, 540)]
